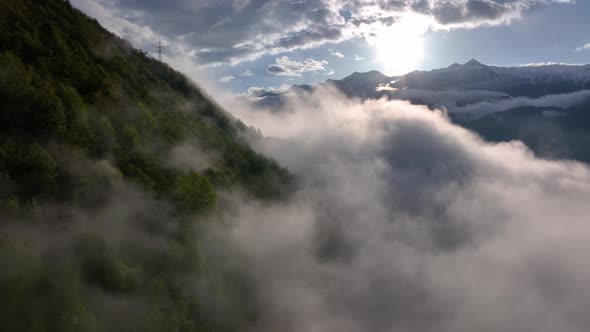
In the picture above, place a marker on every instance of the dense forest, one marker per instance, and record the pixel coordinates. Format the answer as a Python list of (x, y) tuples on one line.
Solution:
[(113, 166)]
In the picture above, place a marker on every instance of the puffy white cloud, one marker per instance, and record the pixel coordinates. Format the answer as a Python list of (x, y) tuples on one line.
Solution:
[(284, 66), (359, 58), (405, 222), (225, 79), (585, 47), (336, 53), (255, 91), (222, 32), (141, 35)]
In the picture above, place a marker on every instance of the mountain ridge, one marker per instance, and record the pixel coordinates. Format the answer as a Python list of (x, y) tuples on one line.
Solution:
[(471, 77)]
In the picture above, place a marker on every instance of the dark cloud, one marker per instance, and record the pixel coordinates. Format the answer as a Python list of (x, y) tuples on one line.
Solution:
[(471, 11), (307, 37), (221, 32), (286, 67), (274, 69)]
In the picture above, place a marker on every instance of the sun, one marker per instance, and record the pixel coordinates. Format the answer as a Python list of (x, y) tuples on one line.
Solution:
[(400, 47), (399, 53)]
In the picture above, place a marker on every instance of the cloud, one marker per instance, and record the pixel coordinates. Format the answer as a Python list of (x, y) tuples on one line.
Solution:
[(583, 48), (450, 99), (485, 107), (477, 103), (255, 91), (189, 156), (247, 73), (359, 58), (229, 32), (336, 53), (476, 11), (284, 66), (541, 64), (142, 36), (225, 79), (177, 53), (234, 33), (405, 222)]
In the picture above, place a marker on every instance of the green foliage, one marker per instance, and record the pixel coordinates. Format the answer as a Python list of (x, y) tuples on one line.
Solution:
[(77, 319), (66, 80), (15, 78), (101, 266), (86, 122), (38, 295), (194, 193), (48, 118), (32, 166), (10, 204)]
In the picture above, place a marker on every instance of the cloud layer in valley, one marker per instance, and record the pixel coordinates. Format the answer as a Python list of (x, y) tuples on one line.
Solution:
[(558, 100), (406, 222), (477, 103)]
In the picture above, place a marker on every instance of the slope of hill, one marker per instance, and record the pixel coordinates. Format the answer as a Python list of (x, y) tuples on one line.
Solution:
[(110, 163)]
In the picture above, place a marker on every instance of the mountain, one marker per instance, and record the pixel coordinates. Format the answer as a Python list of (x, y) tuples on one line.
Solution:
[(112, 165), (526, 81), (361, 85), (475, 81)]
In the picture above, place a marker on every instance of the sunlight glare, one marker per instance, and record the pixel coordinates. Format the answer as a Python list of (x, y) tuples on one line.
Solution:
[(400, 47)]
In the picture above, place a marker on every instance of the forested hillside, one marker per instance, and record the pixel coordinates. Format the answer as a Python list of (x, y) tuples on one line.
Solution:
[(111, 164)]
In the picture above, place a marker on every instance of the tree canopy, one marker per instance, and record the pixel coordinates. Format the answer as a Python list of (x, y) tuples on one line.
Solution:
[(100, 229)]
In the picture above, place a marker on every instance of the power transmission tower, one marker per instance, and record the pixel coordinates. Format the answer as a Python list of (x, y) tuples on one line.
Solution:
[(159, 49)]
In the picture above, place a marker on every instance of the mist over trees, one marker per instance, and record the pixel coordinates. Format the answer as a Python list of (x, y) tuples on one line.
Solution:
[(100, 230), (129, 201)]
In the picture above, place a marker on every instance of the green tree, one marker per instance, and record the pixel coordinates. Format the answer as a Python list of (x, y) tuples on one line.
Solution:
[(130, 137), (194, 193), (15, 79), (49, 117), (103, 267), (77, 319), (32, 167)]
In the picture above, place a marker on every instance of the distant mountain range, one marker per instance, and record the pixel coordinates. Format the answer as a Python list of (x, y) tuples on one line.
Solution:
[(526, 81), (547, 107), (455, 86)]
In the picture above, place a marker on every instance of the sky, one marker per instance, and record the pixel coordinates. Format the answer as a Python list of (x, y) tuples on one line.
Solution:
[(239, 44)]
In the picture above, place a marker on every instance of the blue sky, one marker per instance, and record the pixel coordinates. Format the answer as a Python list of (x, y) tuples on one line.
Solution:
[(273, 43)]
